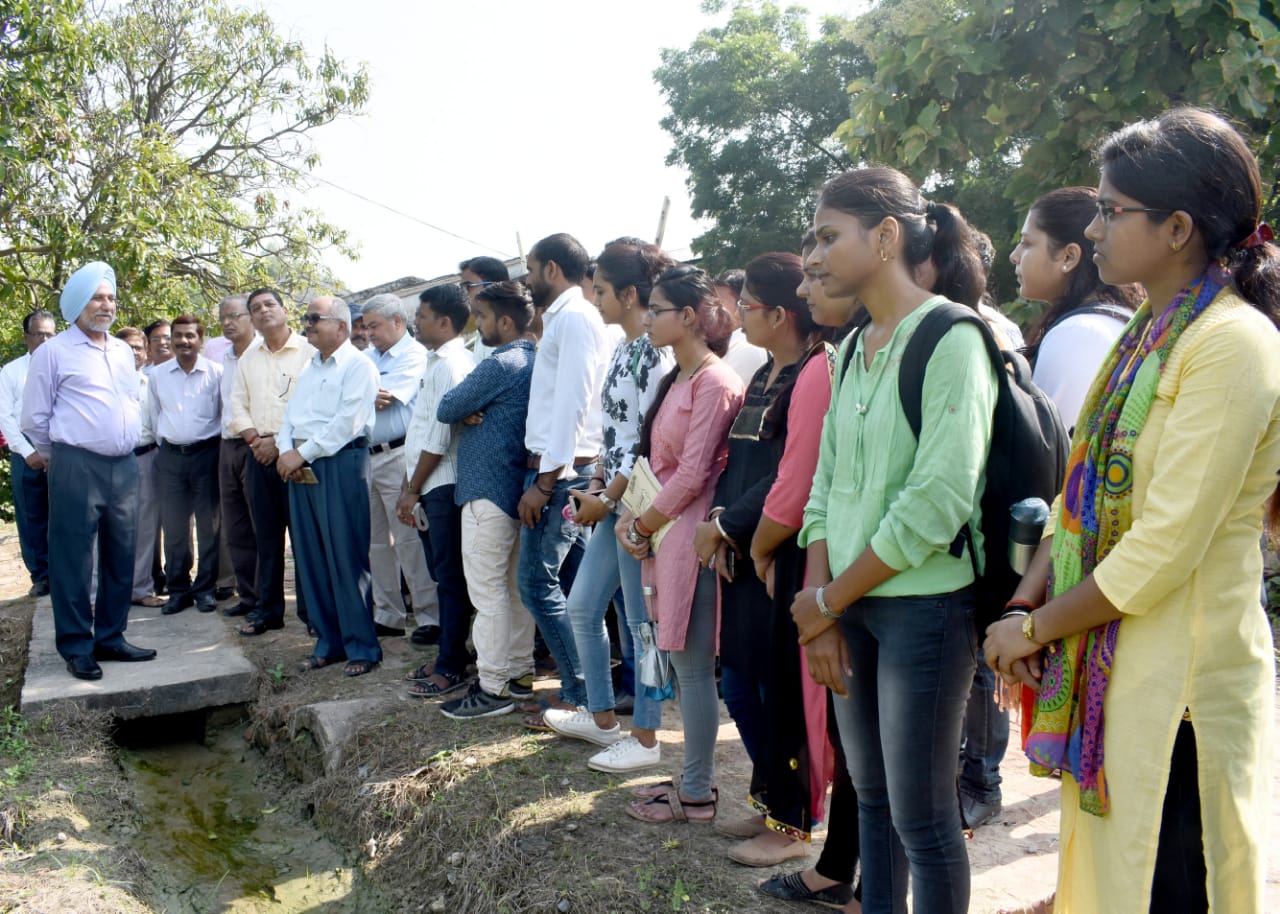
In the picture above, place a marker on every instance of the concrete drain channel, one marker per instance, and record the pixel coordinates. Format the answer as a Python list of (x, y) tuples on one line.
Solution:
[(214, 837)]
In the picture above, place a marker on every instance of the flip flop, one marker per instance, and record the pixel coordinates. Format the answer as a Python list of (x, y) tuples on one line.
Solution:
[(536, 722), (359, 667), (151, 601), (649, 810)]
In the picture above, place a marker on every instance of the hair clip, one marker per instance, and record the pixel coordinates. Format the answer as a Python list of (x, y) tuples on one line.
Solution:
[(1261, 235)]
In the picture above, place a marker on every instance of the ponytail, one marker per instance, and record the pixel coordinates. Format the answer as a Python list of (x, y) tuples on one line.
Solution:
[(644, 447), (961, 276), (1255, 271), (931, 231)]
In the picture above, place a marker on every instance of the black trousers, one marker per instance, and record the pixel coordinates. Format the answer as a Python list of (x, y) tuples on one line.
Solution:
[(839, 857), (189, 486), (237, 524), (1181, 879), (269, 508)]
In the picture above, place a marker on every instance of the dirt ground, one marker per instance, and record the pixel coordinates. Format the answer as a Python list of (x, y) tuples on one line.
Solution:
[(433, 814)]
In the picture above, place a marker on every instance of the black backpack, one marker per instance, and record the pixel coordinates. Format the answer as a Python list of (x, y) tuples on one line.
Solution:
[(1028, 454)]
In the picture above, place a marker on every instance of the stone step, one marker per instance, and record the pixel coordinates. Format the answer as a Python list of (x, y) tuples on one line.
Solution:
[(198, 665)]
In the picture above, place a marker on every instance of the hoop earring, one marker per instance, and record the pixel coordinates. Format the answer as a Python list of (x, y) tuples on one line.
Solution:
[(884, 256)]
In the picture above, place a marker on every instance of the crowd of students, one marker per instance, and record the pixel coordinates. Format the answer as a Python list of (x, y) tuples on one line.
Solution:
[(810, 535)]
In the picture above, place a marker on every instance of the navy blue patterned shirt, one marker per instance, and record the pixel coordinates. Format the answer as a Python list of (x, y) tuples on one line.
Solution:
[(491, 455)]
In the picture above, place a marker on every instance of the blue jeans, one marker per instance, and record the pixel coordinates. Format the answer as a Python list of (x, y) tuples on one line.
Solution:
[(605, 566), (31, 508), (986, 737), (913, 660), (543, 550)]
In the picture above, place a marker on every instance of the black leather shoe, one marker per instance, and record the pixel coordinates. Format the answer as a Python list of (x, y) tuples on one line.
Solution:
[(124, 652), (239, 609), (39, 589), (426, 634), (177, 603), (84, 668), (206, 603), (224, 593), (386, 631)]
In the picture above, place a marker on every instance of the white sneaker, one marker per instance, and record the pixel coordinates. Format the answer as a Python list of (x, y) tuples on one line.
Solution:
[(580, 724), (626, 755)]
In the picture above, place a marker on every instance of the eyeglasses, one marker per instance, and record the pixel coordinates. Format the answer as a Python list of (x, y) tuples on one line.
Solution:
[(747, 306), (656, 311), (468, 286), (233, 317), (311, 319), (1106, 211)]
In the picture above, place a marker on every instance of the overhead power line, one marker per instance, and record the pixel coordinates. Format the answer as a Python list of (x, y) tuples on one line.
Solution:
[(400, 213)]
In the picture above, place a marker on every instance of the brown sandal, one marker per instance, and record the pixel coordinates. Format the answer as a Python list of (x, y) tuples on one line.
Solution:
[(646, 810)]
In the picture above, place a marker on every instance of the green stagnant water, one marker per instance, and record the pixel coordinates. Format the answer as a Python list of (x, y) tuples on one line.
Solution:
[(215, 839)]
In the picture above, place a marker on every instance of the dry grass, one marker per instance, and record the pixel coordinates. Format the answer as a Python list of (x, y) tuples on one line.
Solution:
[(64, 821)]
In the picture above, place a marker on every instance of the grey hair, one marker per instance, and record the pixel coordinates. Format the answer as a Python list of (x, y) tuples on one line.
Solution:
[(340, 309), (386, 305), (238, 299), (39, 314)]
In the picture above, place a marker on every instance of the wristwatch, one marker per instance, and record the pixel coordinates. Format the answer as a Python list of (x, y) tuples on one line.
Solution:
[(609, 503), (1029, 627)]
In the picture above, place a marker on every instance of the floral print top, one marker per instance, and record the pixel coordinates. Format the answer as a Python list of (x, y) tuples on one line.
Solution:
[(630, 385)]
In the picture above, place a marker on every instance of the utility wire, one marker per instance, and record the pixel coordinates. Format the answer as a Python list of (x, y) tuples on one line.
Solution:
[(391, 209)]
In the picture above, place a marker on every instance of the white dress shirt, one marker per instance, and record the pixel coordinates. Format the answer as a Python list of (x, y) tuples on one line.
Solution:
[(144, 403), (447, 365), (13, 380), (332, 404), (230, 363), (399, 373), (186, 407), (564, 418)]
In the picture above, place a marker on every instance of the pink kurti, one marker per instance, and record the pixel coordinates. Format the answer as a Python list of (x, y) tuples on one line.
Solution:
[(688, 450)]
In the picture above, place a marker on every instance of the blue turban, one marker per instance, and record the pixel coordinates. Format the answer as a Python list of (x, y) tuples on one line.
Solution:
[(82, 286)]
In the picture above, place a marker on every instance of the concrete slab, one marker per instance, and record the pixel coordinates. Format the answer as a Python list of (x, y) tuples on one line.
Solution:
[(332, 725), (198, 665)]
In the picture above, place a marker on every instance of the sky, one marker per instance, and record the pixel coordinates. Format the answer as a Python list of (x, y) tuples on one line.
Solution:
[(489, 118)]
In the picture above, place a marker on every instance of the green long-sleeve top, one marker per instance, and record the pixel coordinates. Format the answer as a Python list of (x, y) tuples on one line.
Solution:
[(877, 485)]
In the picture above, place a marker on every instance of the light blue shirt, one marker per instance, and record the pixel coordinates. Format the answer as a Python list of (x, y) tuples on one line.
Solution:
[(332, 404), (400, 370), (83, 395)]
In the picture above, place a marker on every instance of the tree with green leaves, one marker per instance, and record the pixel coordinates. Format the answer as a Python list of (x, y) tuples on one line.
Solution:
[(164, 137), (1031, 85), (754, 106)]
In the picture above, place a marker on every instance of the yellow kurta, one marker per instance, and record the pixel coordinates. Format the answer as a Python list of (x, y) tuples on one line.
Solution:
[(1186, 576)]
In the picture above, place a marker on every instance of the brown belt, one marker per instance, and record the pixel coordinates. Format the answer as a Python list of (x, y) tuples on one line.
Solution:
[(534, 461)]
